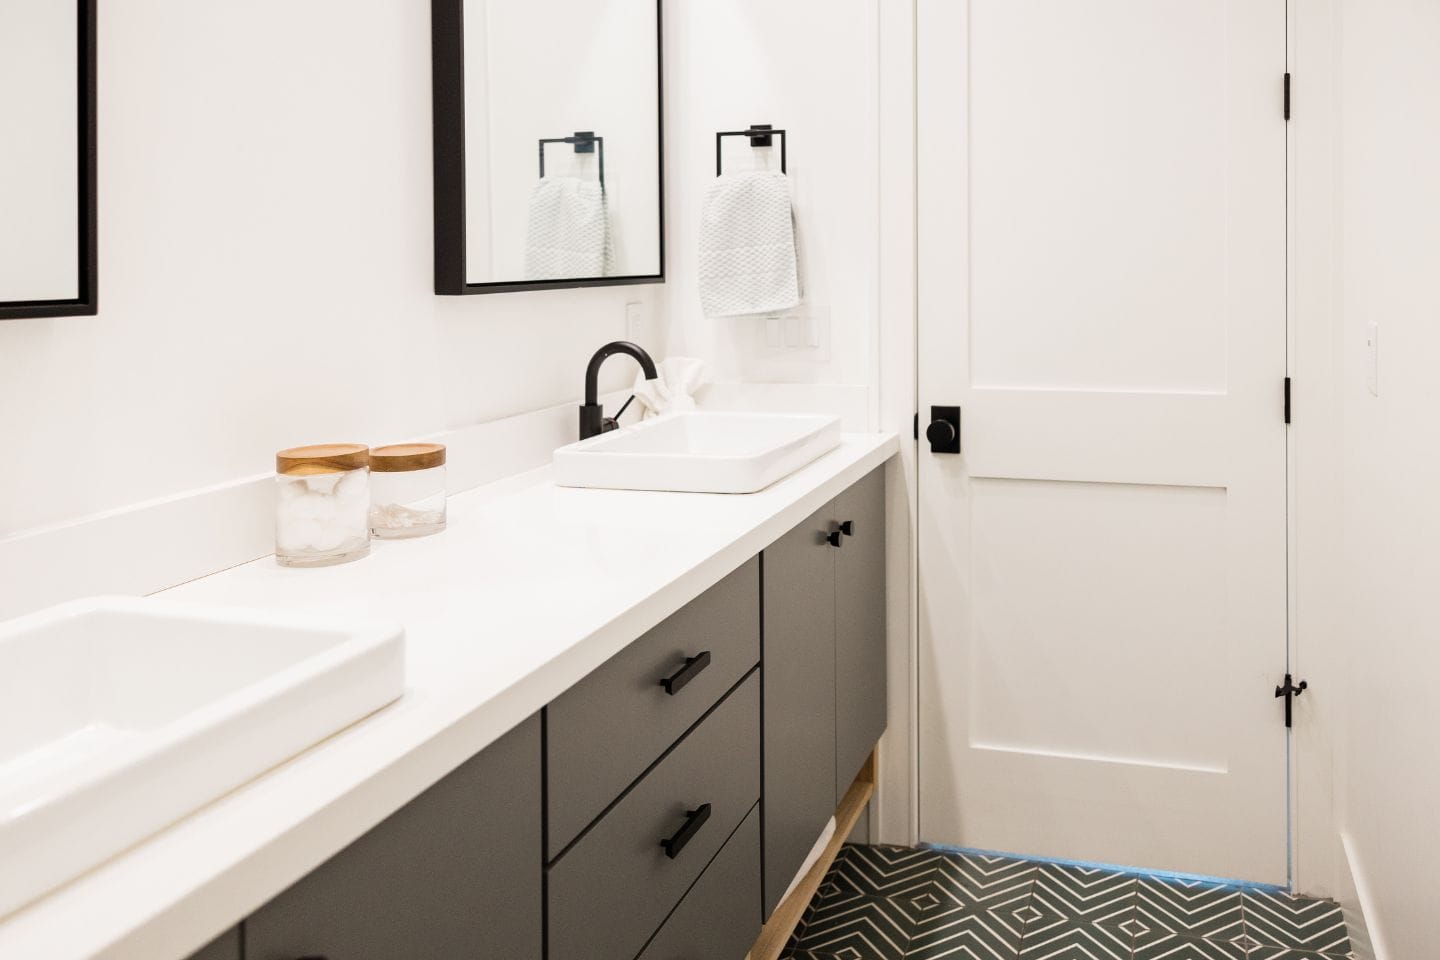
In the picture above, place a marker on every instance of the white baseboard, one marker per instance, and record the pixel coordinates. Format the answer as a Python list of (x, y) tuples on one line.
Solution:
[(1366, 941)]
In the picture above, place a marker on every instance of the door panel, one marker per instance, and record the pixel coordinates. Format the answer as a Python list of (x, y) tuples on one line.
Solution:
[(1102, 571)]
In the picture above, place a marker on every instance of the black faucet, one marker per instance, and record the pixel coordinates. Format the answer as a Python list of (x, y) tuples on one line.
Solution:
[(592, 416)]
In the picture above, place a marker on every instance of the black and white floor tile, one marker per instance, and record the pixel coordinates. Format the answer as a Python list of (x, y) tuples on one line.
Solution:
[(907, 903)]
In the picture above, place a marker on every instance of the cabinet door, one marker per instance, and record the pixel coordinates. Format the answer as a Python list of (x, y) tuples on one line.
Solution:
[(224, 947), (454, 873), (798, 696), (859, 627)]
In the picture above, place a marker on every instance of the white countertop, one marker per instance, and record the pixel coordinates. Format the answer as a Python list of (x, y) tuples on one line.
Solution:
[(530, 588)]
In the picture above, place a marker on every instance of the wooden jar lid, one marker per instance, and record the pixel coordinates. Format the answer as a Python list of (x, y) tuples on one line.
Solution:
[(407, 457), (322, 458)]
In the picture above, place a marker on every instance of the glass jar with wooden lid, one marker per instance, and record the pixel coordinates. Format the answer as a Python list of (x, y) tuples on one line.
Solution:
[(323, 504), (407, 490)]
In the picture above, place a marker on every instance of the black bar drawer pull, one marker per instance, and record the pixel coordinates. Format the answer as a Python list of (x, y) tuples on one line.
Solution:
[(694, 820), (674, 683)]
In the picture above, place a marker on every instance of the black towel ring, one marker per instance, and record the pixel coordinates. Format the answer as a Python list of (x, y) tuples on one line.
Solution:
[(760, 134), (584, 141)]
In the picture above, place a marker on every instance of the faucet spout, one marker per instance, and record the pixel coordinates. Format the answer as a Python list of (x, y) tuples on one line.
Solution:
[(592, 416)]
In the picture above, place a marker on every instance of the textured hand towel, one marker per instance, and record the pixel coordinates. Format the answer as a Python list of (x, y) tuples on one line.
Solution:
[(673, 390), (569, 234), (747, 246)]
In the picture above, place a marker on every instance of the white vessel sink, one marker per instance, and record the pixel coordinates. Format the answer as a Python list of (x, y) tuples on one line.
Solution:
[(699, 452), (120, 715)]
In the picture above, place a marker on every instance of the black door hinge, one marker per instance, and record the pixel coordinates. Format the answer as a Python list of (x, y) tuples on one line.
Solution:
[(1290, 691), (917, 426), (1287, 399), (1287, 96)]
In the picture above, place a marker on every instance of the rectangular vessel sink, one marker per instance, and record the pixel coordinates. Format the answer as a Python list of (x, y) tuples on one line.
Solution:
[(120, 715), (699, 452)]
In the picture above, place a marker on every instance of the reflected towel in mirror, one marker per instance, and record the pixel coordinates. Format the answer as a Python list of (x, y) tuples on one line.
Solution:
[(569, 230)]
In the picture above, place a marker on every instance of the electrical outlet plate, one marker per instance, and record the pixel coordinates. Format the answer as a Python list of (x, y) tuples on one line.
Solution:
[(635, 322), (1372, 358)]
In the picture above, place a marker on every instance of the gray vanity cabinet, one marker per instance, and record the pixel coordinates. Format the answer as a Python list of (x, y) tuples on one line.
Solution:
[(224, 947), (454, 873), (679, 786), (859, 626), (823, 668), (798, 676)]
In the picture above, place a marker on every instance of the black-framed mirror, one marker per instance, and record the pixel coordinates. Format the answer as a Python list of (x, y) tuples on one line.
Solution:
[(549, 144), (47, 163)]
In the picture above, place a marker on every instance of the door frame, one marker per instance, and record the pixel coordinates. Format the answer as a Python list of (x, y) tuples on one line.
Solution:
[(1313, 486)]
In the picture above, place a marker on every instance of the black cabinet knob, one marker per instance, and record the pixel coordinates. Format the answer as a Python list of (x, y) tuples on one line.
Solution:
[(833, 538), (847, 527)]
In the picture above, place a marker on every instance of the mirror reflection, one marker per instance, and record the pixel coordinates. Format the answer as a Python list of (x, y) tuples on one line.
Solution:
[(40, 159), (562, 140)]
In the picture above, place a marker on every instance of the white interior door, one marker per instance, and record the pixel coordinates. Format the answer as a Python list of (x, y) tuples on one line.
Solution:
[(1102, 569)]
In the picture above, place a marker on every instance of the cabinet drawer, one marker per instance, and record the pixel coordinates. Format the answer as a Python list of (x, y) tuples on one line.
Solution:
[(608, 728), (612, 889), (719, 918)]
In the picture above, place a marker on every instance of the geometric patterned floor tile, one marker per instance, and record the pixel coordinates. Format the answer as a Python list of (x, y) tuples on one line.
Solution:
[(1098, 896), (881, 871), (1159, 945), (908, 903), (865, 928), (966, 935), (989, 882), (1075, 940), (1295, 922), (1285, 953), (1191, 908)]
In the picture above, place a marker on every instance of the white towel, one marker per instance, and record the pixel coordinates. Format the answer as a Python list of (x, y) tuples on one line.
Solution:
[(569, 231), (815, 852), (747, 246), (672, 391)]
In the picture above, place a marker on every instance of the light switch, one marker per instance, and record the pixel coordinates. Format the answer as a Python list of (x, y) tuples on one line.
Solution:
[(1372, 358), (635, 322)]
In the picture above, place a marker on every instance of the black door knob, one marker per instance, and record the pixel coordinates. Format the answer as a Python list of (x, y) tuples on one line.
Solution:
[(944, 430)]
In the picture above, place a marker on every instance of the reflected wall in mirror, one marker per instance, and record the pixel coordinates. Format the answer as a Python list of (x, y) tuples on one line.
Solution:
[(47, 158), (548, 144)]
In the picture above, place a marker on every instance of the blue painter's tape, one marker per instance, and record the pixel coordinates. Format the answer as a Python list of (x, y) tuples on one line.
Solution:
[(1133, 871)]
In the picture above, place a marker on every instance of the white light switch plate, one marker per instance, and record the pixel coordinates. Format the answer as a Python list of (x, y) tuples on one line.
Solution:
[(1372, 358)]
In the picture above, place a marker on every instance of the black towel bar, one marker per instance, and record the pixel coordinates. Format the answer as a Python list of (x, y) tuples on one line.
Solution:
[(760, 134), (584, 141)]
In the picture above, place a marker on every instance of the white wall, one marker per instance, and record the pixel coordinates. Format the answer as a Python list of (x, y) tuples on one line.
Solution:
[(1388, 737), (809, 66), (265, 267)]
